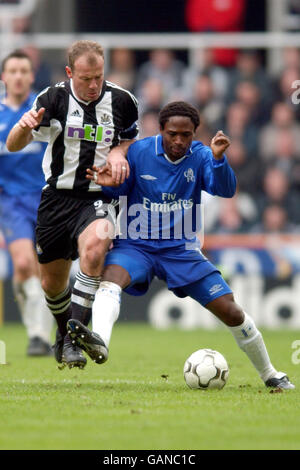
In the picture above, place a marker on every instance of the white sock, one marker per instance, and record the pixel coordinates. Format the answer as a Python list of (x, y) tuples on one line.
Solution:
[(106, 309), (251, 342), (34, 311)]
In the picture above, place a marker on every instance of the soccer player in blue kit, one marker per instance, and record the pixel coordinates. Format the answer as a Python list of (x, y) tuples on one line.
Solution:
[(21, 182), (167, 174)]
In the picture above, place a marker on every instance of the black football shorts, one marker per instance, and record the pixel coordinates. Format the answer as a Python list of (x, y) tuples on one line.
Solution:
[(63, 216)]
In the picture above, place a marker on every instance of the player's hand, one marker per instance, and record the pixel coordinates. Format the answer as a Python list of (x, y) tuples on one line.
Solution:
[(31, 119), (219, 143), (101, 175), (118, 165)]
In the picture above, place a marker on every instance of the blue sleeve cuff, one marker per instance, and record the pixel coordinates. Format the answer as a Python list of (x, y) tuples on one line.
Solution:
[(217, 163)]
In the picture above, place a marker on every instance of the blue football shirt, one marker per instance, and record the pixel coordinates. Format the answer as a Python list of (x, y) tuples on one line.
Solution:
[(20, 172), (163, 198)]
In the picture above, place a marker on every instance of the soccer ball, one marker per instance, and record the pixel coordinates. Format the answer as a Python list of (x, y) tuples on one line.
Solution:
[(205, 369)]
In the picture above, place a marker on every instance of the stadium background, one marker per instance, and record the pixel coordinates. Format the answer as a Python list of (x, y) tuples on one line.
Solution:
[(248, 92)]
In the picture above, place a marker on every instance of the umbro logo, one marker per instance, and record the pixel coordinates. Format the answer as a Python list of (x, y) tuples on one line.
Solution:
[(76, 113), (148, 177), (216, 288)]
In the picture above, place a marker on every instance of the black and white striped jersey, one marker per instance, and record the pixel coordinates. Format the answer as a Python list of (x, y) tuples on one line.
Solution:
[(81, 134)]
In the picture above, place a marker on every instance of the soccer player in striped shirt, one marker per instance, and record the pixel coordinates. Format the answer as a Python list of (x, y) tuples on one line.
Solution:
[(86, 121)]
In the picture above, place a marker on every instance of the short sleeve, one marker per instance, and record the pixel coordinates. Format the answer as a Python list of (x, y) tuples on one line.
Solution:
[(130, 113), (44, 100)]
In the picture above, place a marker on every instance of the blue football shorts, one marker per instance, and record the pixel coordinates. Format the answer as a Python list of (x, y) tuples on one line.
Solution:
[(186, 271), (18, 215)]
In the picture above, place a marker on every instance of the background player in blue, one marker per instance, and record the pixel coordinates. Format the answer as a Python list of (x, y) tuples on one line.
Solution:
[(21, 182), (167, 174)]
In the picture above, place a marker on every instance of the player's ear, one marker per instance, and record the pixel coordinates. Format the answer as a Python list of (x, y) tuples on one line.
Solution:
[(32, 79), (68, 71)]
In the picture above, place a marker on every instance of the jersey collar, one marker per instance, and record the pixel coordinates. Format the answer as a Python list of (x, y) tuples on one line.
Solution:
[(25, 104), (159, 150)]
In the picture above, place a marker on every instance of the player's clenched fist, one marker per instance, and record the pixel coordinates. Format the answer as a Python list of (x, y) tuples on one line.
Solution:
[(219, 143), (32, 118)]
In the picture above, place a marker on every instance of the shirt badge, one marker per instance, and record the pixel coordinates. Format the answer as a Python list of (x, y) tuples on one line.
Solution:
[(189, 175), (105, 119)]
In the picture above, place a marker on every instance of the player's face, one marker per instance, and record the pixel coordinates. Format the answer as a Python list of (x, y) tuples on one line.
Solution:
[(87, 77), (18, 77), (177, 135)]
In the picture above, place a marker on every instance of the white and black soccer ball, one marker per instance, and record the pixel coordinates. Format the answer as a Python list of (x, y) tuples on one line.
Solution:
[(206, 369)]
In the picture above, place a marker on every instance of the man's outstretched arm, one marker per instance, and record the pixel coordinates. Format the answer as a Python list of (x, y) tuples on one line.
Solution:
[(218, 176)]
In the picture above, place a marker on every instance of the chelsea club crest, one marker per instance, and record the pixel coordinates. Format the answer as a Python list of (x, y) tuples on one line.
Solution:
[(189, 174)]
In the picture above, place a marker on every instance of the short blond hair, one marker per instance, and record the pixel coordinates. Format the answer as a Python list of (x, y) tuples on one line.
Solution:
[(84, 47)]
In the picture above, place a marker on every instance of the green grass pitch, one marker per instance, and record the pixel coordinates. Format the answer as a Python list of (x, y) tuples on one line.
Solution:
[(139, 400)]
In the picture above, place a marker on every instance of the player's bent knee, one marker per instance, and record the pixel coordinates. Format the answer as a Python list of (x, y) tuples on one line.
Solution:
[(234, 315), (93, 252), (52, 286), (116, 274), (23, 267), (91, 261), (227, 310)]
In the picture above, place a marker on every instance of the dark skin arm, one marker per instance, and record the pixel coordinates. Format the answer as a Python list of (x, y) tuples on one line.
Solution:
[(219, 143)]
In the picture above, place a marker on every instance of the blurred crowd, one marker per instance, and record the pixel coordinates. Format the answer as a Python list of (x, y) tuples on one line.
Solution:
[(232, 91), (254, 109)]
